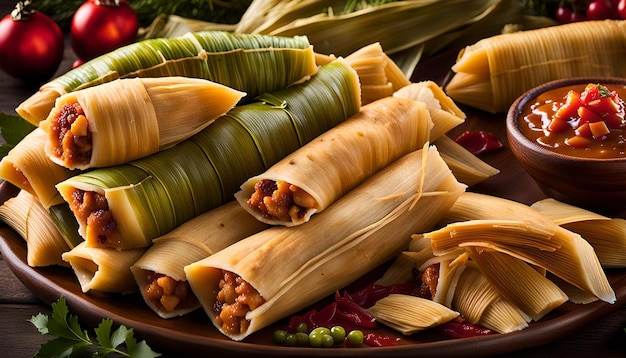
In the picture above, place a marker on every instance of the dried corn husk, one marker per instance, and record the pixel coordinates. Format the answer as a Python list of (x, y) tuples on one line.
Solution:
[(338, 160), (606, 235), (493, 72), (103, 269), (44, 243), (410, 314), (192, 241), (468, 168), (27, 166), (128, 119), (294, 267), (254, 64), (151, 196)]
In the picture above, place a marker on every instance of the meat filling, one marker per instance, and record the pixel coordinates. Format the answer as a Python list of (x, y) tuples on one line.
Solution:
[(279, 200), (71, 136), (167, 293), (429, 278), (92, 209), (234, 300)]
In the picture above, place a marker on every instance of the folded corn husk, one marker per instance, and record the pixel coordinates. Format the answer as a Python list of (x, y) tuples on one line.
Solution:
[(44, 243), (294, 267), (467, 167), (128, 119), (254, 64), (103, 269), (320, 172), (493, 72), (410, 314), (149, 197), (192, 241), (28, 167), (606, 235)]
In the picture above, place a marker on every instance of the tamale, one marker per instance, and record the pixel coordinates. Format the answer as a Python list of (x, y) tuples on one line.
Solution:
[(159, 272), (284, 269), (28, 167), (103, 269), (127, 119), (308, 180), (44, 243)]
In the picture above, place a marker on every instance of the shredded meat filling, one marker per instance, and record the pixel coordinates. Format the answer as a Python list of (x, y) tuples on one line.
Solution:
[(71, 135), (167, 293), (429, 279), (92, 208), (234, 300), (279, 200)]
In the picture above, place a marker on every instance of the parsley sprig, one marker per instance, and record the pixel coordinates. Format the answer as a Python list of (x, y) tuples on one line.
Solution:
[(71, 340)]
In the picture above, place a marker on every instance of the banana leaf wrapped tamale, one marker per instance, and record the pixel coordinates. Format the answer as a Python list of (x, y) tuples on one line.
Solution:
[(254, 64), (127, 206), (159, 272), (284, 269), (127, 119)]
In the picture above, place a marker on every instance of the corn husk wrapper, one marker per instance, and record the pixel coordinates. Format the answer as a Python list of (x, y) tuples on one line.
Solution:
[(341, 158), (151, 196), (253, 64), (493, 72), (606, 235), (192, 241), (468, 168), (294, 267), (103, 269), (27, 166), (128, 119), (44, 243), (410, 314)]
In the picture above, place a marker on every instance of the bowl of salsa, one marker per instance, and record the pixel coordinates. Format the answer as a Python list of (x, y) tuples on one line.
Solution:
[(570, 136)]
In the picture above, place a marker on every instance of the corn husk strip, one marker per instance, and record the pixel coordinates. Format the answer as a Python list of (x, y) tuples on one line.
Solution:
[(304, 17), (575, 294), (519, 283), (449, 272), (103, 269), (468, 168), (132, 118), (44, 243), (494, 71), (192, 241), (342, 157), (606, 235), (410, 314), (560, 251), (66, 223), (27, 166), (443, 111), (503, 317), (293, 267), (401, 269), (373, 66), (205, 54), (151, 196)]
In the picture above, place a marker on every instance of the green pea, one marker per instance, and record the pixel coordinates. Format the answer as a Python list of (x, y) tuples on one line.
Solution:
[(302, 339), (321, 330), (302, 327), (355, 337), (327, 341), (338, 333), (315, 339), (280, 336), (291, 340)]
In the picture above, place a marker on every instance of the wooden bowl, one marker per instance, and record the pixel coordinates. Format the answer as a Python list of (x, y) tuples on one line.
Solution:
[(598, 184)]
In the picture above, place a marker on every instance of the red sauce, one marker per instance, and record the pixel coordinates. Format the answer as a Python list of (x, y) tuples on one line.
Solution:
[(538, 115)]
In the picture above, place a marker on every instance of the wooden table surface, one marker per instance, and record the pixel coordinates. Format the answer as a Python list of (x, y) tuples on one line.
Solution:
[(18, 338)]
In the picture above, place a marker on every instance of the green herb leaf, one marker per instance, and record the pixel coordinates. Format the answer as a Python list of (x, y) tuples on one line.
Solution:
[(72, 341), (12, 130)]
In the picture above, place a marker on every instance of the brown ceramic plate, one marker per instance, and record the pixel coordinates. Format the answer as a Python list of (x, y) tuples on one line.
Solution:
[(193, 334)]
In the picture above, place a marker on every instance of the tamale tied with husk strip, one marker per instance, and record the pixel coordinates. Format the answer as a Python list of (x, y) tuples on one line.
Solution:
[(159, 272), (250, 63), (127, 119), (127, 206), (285, 269)]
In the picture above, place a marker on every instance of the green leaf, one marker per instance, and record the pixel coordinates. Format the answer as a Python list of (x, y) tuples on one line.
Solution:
[(103, 332), (62, 347), (41, 322), (141, 350), (12, 129)]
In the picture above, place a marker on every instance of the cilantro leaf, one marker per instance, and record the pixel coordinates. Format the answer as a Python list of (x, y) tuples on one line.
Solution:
[(12, 129), (72, 341)]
